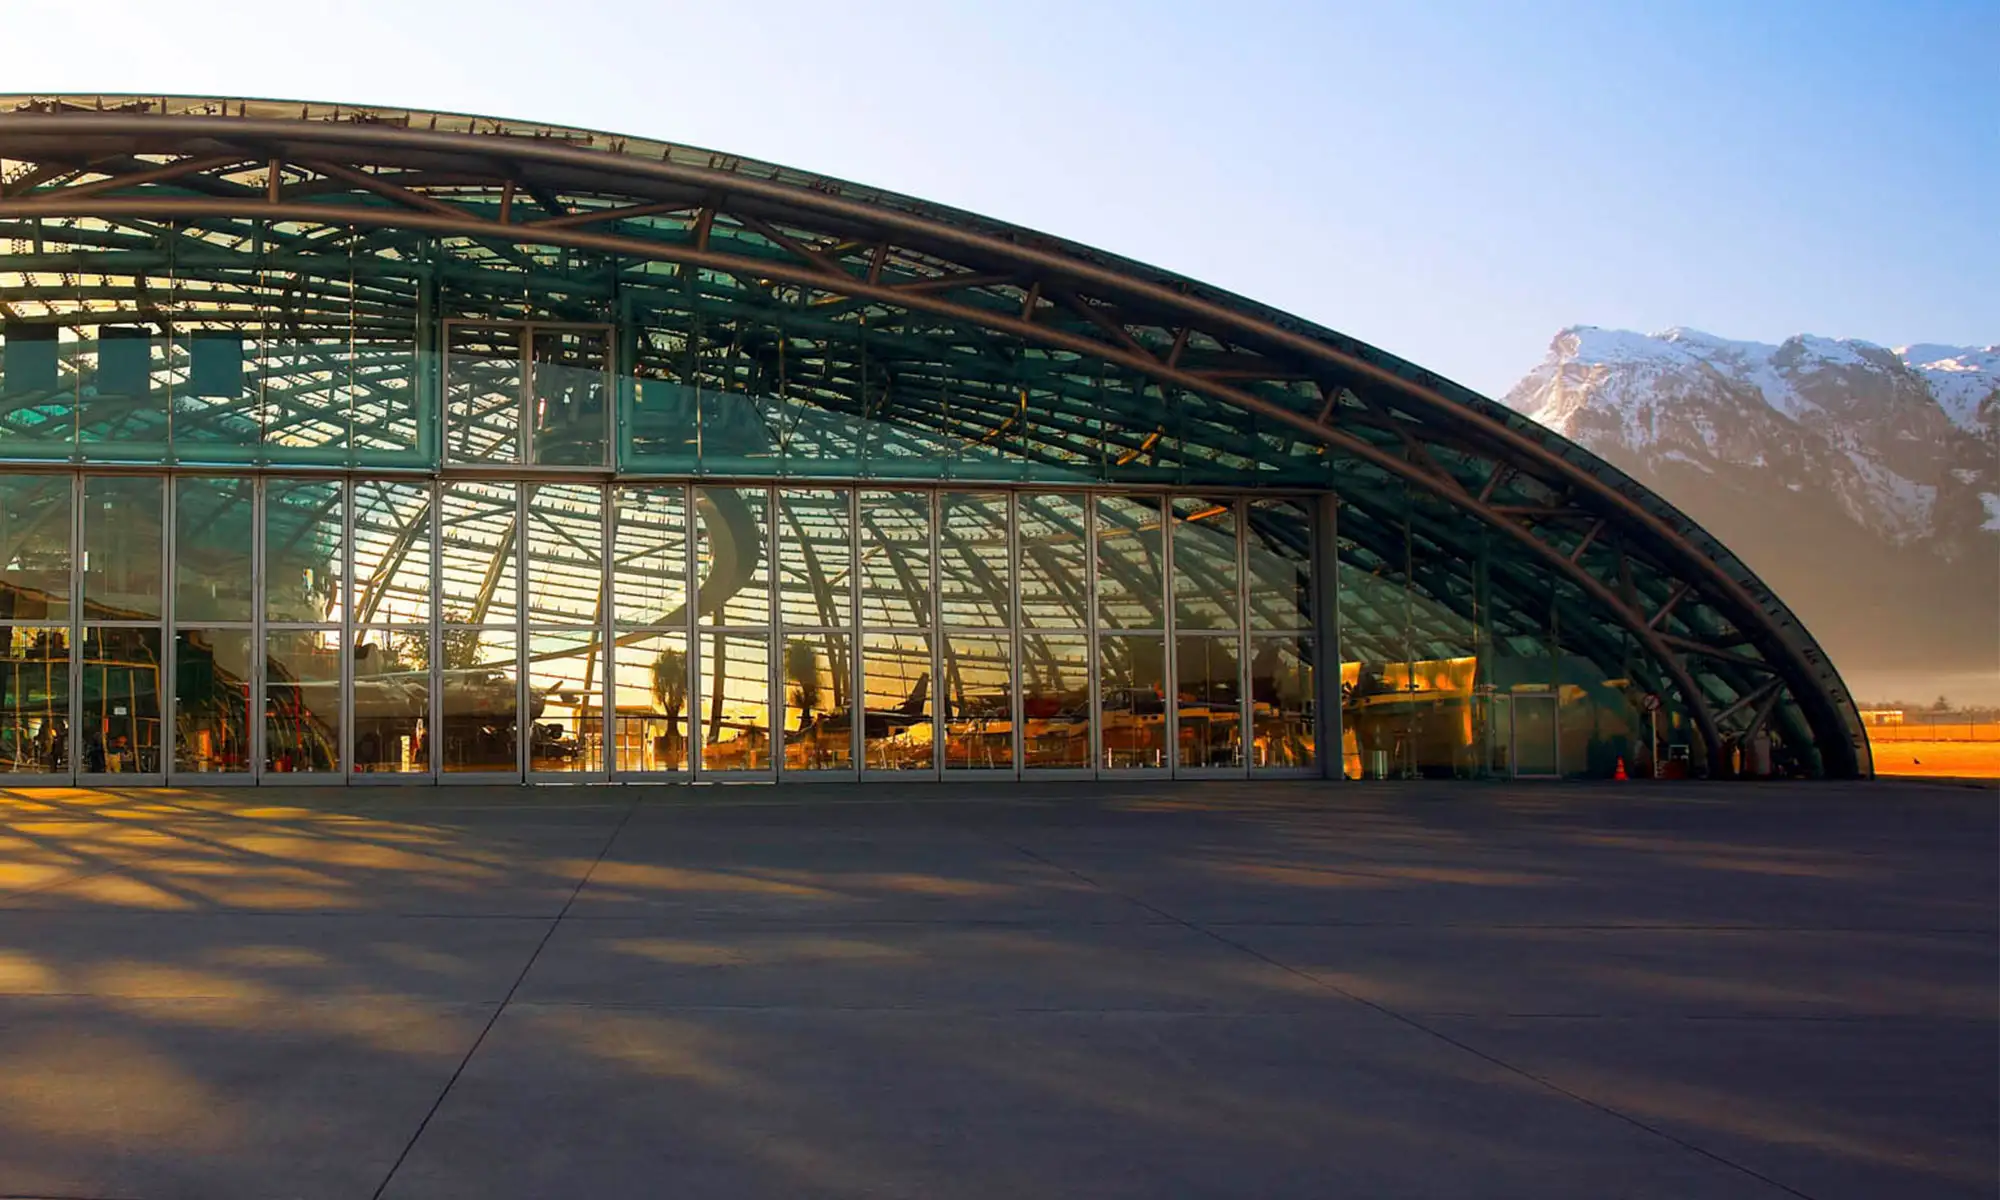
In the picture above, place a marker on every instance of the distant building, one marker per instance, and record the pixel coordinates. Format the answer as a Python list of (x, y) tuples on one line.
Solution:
[(1882, 716), (349, 444)]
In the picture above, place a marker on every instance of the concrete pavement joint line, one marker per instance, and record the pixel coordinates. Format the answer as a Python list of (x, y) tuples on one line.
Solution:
[(1412, 1023), (502, 1006)]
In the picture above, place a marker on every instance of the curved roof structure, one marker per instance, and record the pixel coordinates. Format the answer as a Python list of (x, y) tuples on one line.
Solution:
[(1003, 345)]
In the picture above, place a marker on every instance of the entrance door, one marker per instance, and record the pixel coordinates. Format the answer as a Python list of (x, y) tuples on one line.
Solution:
[(1535, 752)]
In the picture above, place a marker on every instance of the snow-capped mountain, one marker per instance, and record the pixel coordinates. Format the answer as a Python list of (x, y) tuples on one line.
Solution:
[(1862, 482)]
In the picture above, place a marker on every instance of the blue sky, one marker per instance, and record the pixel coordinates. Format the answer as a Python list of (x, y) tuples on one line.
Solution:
[(1451, 181)]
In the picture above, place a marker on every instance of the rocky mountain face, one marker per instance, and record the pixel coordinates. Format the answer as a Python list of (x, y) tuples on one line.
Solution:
[(1861, 482)]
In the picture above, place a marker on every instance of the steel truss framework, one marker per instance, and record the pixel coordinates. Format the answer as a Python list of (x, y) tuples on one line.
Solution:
[(890, 338)]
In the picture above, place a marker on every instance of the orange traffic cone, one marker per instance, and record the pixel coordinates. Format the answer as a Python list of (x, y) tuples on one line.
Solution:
[(1620, 772)]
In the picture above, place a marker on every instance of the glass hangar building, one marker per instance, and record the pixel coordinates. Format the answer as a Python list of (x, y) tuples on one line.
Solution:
[(344, 444)]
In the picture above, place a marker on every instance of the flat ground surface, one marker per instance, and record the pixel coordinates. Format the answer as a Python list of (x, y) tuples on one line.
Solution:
[(924, 991)]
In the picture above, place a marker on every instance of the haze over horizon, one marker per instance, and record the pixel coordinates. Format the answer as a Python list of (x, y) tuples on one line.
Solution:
[(1451, 182)]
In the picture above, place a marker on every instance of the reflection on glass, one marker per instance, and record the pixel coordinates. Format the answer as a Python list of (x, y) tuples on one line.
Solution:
[(1055, 702), (1204, 563), (479, 707), (1054, 573), (120, 701), (34, 547), (1207, 696), (392, 552), (302, 519), (212, 700), (735, 678), (307, 377), (731, 564), (896, 688), (1278, 555), (34, 701), (121, 547), (390, 409), (213, 536), (392, 701), (478, 571), (565, 554), (565, 702), (1132, 693), (978, 700), (819, 724), (895, 558), (1281, 702), (975, 569), (569, 386), (302, 701), (483, 393), (1130, 586), (816, 559), (650, 699), (649, 556)]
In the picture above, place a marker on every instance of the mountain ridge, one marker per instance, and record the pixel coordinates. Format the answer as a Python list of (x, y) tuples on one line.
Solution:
[(1861, 481)]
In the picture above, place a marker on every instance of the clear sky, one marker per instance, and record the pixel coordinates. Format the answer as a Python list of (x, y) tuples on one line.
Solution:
[(1451, 181)]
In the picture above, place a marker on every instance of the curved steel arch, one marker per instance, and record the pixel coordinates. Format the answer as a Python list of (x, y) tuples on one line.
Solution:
[(1642, 563)]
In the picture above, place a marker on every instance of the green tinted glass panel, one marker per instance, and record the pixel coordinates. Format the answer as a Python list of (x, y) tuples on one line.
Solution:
[(303, 541), (214, 532), (569, 395), (121, 547), (34, 546)]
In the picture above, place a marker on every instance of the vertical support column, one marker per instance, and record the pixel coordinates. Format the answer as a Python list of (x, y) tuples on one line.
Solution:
[(1090, 632), (254, 718), (75, 627), (1017, 667), (169, 665), (1326, 633)]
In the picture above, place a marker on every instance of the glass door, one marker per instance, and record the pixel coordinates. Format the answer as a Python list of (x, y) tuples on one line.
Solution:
[(1534, 733)]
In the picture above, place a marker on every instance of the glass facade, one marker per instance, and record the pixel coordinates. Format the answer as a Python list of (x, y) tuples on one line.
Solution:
[(505, 629), (611, 475)]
